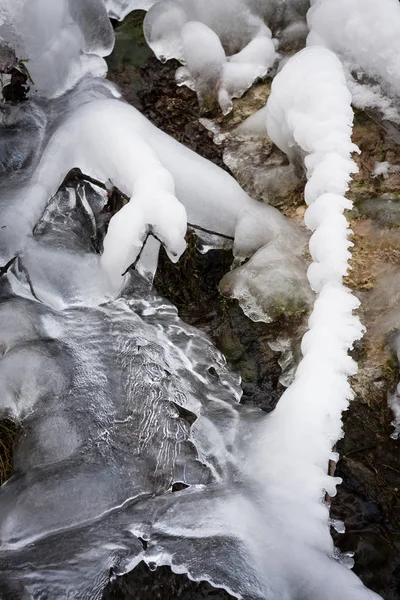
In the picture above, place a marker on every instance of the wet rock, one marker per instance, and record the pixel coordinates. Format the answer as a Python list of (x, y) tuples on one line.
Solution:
[(161, 584)]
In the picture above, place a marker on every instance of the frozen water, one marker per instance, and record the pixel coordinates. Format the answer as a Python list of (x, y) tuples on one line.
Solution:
[(225, 46), (118, 403), (60, 48), (118, 399), (164, 179)]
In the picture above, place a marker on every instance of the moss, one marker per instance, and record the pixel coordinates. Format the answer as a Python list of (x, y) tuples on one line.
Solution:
[(391, 372), (130, 46), (231, 347)]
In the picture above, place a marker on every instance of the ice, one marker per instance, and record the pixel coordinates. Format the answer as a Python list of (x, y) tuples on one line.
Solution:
[(309, 117), (151, 211), (119, 9), (385, 169), (161, 175), (117, 398), (225, 46), (61, 48), (394, 399), (364, 33), (314, 127), (150, 413)]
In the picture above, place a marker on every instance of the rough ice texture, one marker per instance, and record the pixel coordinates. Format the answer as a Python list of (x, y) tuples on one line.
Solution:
[(224, 46), (394, 400), (364, 33)]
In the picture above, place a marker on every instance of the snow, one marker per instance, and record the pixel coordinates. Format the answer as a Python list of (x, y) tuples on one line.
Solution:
[(381, 168), (309, 117), (164, 179), (385, 169), (364, 34)]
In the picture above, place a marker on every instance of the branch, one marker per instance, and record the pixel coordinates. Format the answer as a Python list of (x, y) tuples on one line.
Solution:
[(3, 270), (78, 175)]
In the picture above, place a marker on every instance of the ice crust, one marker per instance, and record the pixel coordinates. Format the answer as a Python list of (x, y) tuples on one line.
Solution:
[(118, 399)]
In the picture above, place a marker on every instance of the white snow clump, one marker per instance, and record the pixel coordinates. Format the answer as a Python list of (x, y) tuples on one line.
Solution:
[(309, 115), (365, 35), (165, 181), (309, 111)]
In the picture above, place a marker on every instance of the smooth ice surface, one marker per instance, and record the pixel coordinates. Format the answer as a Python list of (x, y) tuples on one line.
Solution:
[(164, 179), (364, 33)]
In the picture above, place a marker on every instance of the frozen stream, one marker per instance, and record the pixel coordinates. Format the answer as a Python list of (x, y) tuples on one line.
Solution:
[(135, 446)]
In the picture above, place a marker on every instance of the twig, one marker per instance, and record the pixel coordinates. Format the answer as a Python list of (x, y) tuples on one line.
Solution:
[(223, 235), (77, 173), (357, 450), (133, 265), (3, 270), (389, 467)]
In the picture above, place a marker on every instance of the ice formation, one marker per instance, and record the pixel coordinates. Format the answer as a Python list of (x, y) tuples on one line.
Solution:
[(319, 128), (364, 34), (164, 179), (394, 400), (119, 399), (62, 47), (224, 46)]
